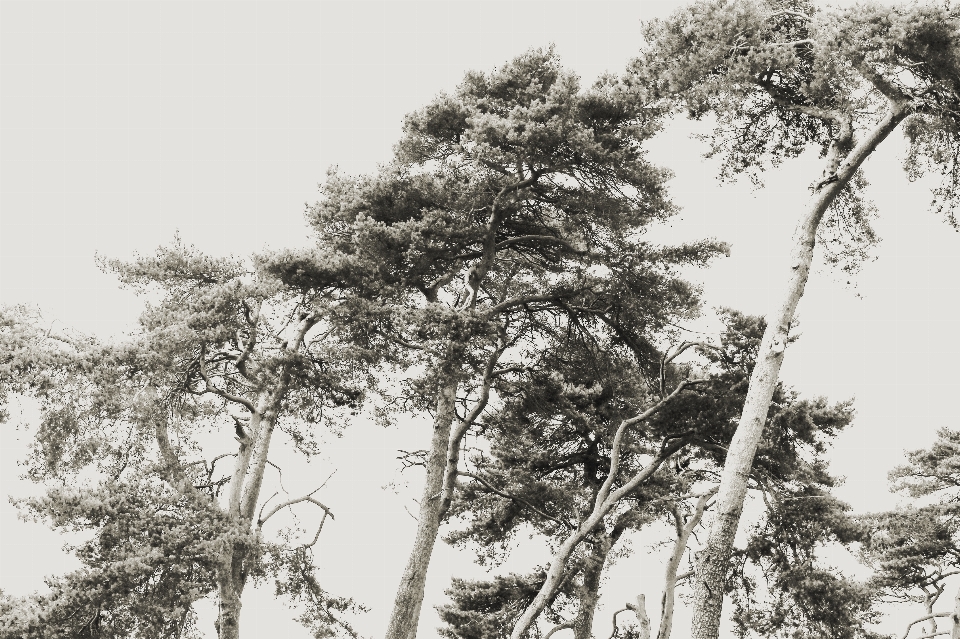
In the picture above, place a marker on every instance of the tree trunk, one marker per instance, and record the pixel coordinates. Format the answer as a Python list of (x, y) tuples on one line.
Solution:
[(406, 607), (684, 530), (955, 618), (712, 561), (229, 589), (590, 589)]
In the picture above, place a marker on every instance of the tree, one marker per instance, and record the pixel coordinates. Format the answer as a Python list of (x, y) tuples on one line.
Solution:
[(132, 434), (915, 550), (551, 449), (781, 76), (517, 200)]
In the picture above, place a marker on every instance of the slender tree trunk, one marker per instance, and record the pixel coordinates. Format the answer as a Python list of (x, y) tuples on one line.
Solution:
[(230, 589), (684, 530), (406, 607), (955, 618), (929, 601), (713, 560), (590, 589), (640, 610)]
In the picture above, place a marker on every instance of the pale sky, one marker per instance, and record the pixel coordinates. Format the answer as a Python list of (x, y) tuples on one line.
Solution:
[(124, 122)]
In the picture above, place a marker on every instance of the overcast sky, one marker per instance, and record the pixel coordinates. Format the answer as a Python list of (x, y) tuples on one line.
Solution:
[(122, 123)]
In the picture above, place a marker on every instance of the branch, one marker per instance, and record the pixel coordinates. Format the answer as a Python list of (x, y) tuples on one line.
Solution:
[(523, 501), (475, 274), (291, 502), (615, 629), (174, 472), (787, 12), (210, 388), (520, 301), (671, 579), (456, 436), (880, 83), (563, 626), (540, 238), (253, 317), (640, 608), (319, 528), (668, 357), (812, 111), (924, 618), (624, 425)]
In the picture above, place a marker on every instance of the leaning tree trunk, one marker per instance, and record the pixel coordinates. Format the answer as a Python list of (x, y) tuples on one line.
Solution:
[(713, 560), (406, 607)]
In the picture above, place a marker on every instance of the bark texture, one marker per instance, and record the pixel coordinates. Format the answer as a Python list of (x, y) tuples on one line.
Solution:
[(590, 589), (229, 588), (713, 560), (406, 607)]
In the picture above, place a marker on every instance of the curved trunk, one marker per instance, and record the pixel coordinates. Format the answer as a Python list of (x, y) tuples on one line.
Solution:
[(406, 607), (712, 561)]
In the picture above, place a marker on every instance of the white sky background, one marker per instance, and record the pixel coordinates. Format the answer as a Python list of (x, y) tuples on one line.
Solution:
[(123, 122)]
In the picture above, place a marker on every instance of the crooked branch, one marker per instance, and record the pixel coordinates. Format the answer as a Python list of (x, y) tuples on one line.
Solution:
[(924, 618), (308, 498)]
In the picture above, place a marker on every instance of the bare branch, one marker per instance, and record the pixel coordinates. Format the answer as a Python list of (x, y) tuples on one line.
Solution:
[(563, 626), (319, 528), (640, 609), (615, 629), (670, 577), (291, 502), (264, 505)]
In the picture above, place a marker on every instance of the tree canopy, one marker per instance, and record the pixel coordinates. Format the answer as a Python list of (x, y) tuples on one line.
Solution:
[(493, 285)]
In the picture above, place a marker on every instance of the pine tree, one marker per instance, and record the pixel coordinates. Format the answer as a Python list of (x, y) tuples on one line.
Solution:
[(782, 76), (516, 200)]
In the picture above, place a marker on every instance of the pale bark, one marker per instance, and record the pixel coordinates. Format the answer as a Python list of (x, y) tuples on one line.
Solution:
[(640, 609), (684, 530), (406, 607), (263, 430), (910, 625), (712, 561)]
